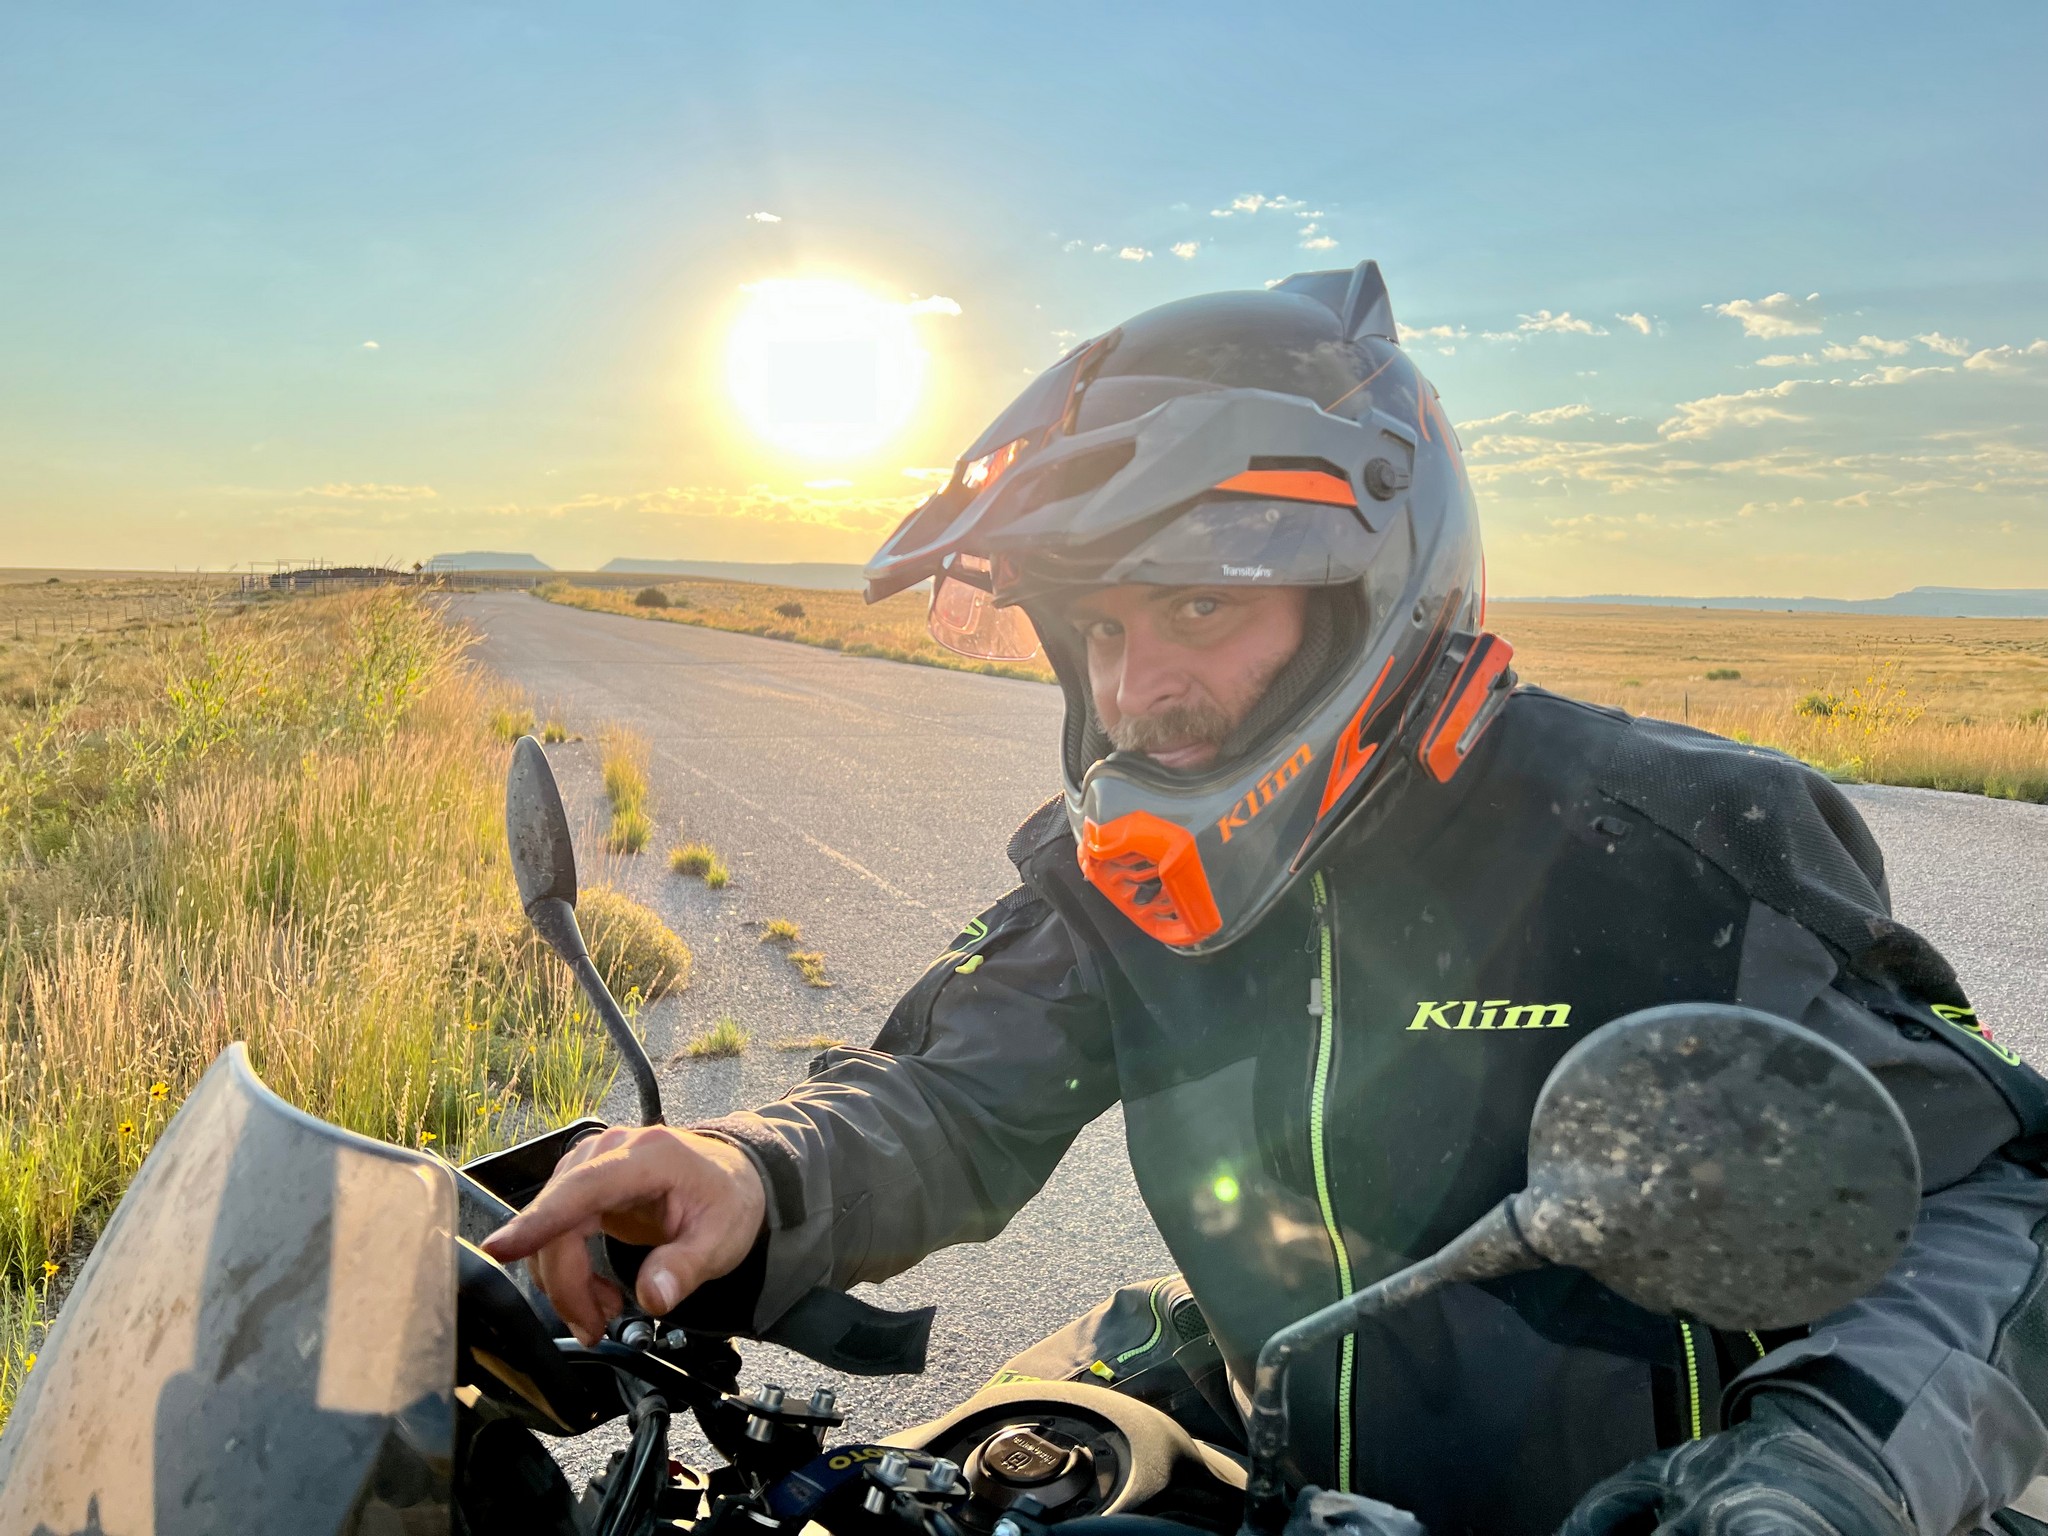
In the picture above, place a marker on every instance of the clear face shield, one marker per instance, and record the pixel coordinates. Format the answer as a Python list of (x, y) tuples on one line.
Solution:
[(964, 618)]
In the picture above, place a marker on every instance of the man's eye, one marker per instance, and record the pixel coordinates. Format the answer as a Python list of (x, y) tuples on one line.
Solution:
[(1201, 607), (1101, 629)]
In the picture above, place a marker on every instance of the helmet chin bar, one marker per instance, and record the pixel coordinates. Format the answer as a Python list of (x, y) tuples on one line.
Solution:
[(1152, 871)]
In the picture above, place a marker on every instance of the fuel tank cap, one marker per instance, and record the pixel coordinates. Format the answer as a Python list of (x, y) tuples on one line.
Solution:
[(1024, 1459)]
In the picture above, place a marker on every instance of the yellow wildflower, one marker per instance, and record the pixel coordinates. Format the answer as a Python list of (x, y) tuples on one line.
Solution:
[(159, 1090), (49, 1270), (125, 1128)]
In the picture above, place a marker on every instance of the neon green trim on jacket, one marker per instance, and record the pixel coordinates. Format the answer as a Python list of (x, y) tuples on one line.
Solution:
[(1319, 1154)]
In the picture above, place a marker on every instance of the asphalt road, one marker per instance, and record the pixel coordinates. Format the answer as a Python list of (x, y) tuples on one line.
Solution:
[(871, 801)]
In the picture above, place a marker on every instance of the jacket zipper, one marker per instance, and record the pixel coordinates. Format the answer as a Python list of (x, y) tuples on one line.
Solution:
[(1322, 993)]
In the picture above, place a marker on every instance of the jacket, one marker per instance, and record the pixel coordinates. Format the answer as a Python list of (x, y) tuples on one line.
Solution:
[(1337, 1094)]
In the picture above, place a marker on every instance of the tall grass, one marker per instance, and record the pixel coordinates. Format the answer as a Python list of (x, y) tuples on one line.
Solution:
[(625, 785), (282, 828)]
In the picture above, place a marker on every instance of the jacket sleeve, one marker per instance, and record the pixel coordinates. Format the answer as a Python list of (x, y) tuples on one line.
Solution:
[(1943, 1369), (939, 1134)]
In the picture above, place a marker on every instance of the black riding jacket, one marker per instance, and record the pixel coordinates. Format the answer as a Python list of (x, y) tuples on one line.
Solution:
[(1338, 1093)]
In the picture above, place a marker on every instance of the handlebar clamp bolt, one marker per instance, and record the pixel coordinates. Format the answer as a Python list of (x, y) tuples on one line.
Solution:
[(942, 1476), (876, 1501), (891, 1468), (1007, 1527), (824, 1400), (770, 1399)]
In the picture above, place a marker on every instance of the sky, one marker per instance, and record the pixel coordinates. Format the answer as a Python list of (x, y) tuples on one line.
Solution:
[(1742, 299)]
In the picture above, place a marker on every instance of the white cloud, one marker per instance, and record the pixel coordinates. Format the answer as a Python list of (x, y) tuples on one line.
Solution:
[(1547, 417), (1895, 373), (1948, 346), (1186, 249), (934, 304), (1252, 202), (370, 491), (1865, 349), (1775, 315), (1318, 242), (1544, 320), (1433, 332), (1785, 360), (764, 218), (1696, 419), (369, 346), (1134, 253), (1637, 322), (2004, 359)]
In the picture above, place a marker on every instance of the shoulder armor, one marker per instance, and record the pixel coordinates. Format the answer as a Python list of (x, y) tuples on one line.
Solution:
[(1783, 833)]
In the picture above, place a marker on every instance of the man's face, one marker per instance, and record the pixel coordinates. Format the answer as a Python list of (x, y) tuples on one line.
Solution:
[(1174, 670)]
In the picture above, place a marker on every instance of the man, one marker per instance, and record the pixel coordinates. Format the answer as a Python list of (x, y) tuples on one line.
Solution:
[(1325, 898)]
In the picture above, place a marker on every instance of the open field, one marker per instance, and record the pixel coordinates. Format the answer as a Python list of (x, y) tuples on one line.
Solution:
[(1958, 704), (283, 825), (838, 621)]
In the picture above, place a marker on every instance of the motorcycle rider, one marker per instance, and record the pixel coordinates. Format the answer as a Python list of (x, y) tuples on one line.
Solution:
[(1325, 897)]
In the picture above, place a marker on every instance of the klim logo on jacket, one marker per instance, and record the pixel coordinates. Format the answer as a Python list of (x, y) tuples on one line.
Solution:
[(1492, 1013)]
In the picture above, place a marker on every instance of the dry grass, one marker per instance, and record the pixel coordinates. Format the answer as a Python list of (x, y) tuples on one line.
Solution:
[(702, 861), (780, 930), (812, 1043), (1956, 704), (509, 722), (810, 965), (839, 621), (724, 1038), (282, 826), (625, 785)]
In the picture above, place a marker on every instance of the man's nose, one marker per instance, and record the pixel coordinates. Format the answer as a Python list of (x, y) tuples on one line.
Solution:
[(1153, 677)]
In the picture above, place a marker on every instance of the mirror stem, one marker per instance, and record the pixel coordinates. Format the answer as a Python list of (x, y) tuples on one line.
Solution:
[(555, 921), (1491, 1246)]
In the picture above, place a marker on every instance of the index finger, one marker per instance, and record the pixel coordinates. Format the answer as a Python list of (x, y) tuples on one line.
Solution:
[(611, 1181)]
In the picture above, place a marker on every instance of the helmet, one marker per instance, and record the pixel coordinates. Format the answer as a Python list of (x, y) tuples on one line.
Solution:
[(1274, 438)]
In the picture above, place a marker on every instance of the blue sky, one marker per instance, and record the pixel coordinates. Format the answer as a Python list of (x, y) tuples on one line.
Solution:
[(1674, 274)]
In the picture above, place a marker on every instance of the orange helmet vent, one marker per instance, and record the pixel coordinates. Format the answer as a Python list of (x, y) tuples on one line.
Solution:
[(1152, 872), (1450, 736), (1293, 485)]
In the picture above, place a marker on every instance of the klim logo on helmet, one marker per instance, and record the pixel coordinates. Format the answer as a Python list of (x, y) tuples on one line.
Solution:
[(1254, 572), (1263, 793)]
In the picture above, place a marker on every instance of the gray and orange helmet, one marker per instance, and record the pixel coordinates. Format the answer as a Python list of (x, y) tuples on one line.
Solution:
[(1275, 438)]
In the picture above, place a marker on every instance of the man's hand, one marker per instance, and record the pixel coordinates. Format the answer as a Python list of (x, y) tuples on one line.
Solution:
[(698, 1202), (1790, 1469)]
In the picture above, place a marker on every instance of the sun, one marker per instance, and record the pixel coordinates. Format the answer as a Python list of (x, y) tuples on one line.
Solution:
[(821, 368)]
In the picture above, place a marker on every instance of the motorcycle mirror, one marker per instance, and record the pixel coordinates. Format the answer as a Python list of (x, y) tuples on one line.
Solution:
[(1719, 1164), (544, 865), (537, 828), (1701, 1160)]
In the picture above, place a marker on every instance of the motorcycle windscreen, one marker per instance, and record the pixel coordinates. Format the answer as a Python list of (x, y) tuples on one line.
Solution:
[(262, 1340)]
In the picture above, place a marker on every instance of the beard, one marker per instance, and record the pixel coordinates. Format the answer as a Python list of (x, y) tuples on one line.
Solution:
[(1205, 724), (1181, 725)]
